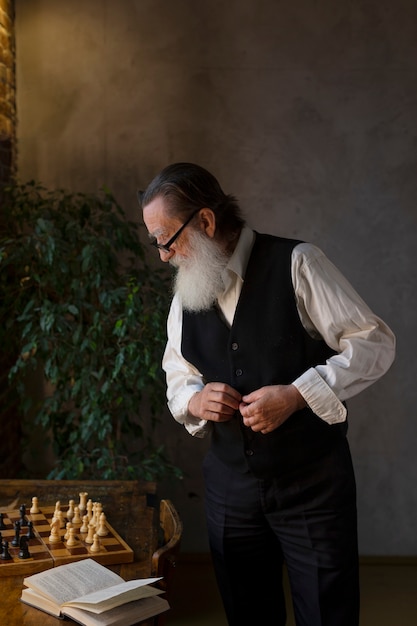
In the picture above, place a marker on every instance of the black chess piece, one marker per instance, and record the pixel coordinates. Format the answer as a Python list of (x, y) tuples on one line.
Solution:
[(2, 524), (5, 554), (15, 541), (23, 519), (30, 534), (24, 549)]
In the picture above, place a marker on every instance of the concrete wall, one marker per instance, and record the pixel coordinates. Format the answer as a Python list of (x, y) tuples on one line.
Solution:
[(306, 110)]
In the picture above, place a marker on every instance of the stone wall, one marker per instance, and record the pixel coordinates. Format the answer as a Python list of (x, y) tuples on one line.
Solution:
[(9, 422), (7, 91)]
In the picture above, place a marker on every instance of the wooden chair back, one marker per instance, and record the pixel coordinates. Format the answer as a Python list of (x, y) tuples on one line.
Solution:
[(164, 559)]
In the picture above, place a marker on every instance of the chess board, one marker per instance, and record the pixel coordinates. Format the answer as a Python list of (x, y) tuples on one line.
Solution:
[(43, 555)]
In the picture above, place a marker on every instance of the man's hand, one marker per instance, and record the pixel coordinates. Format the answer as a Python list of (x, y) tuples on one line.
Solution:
[(216, 402), (267, 408)]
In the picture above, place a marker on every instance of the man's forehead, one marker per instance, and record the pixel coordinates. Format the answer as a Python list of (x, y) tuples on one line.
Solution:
[(157, 218), (157, 206)]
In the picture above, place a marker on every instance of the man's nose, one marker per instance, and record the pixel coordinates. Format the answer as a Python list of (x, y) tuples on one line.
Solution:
[(166, 255)]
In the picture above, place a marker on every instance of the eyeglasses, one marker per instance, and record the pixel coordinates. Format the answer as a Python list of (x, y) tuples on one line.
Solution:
[(166, 247)]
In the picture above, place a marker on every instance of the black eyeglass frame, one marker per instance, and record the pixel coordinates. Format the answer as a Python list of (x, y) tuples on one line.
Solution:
[(166, 247)]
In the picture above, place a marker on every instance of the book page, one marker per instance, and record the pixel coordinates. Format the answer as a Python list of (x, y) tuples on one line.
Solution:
[(40, 602), (124, 615), (67, 582), (108, 598)]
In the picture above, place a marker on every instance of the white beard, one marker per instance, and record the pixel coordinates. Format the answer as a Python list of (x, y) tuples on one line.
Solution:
[(199, 281)]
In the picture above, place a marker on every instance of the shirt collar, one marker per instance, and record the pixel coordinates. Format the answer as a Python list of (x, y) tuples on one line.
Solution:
[(240, 257)]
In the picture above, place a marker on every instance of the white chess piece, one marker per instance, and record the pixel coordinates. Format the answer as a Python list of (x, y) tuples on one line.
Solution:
[(57, 510), (70, 512), (60, 517), (84, 526), (83, 502), (91, 533), (76, 520), (98, 509), (102, 530), (72, 540), (96, 547), (34, 508), (90, 509), (55, 536), (67, 532), (95, 516)]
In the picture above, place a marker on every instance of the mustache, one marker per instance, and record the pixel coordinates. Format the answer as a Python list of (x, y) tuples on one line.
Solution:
[(179, 261)]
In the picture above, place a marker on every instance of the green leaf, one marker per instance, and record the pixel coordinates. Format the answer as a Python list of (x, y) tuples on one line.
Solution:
[(72, 309)]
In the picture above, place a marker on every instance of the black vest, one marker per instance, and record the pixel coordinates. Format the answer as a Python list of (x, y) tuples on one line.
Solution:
[(267, 345)]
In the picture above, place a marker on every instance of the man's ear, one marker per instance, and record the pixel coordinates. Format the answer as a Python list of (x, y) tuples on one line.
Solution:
[(208, 221)]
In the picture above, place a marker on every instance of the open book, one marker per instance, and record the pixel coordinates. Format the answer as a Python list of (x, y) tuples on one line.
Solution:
[(93, 595)]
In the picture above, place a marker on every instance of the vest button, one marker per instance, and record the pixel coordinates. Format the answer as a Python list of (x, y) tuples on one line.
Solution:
[(239, 372), (249, 452), (235, 345)]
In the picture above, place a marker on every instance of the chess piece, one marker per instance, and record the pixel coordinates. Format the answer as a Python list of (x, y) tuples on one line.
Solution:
[(90, 509), (76, 520), (2, 524), (56, 512), (94, 519), (102, 530), (84, 526), (72, 540), (98, 512), (96, 547), (16, 539), (83, 502), (30, 534), (70, 511), (34, 508), (67, 532), (24, 548), (55, 536), (61, 519), (91, 533), (23, 520), (5, 554)]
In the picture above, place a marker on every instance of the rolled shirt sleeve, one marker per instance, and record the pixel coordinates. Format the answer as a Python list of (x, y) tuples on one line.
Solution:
[(330, 308), (183, 379)]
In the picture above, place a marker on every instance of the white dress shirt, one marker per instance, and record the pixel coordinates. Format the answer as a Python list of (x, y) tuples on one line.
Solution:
[(329, 308)]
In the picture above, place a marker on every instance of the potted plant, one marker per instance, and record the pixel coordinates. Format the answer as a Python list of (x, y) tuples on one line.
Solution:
[(83, 314)]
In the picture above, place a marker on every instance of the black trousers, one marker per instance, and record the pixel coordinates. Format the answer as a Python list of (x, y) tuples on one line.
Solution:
[(307, 520)]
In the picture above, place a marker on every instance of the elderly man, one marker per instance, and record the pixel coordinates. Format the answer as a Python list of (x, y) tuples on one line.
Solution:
[(266, 341)]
